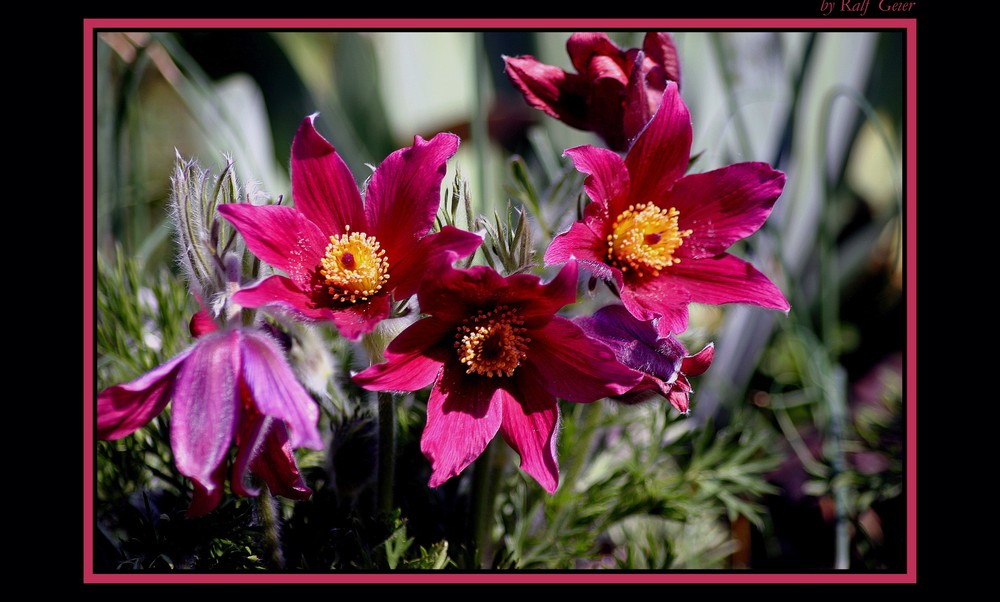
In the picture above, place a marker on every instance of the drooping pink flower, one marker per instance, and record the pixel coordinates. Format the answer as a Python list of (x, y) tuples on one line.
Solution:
[(662, 359), (661, 236), (231, 385), (498, 358), (347, 259), (613, 93)]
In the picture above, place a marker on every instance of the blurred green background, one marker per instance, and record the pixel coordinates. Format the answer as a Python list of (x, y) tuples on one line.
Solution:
[(813, 401)]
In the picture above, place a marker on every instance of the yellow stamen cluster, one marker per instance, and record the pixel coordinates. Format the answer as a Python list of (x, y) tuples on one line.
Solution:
[(492, 343), (644, 238), (355, 267)]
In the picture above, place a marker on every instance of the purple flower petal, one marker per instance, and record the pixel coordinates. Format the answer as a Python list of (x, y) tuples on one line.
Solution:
[(530, 416), (276, 392), (583, 45), (281, 237), (206, 407), (463, 415), (205, 499), (413, 359), (724, 205), (250, 439), (727, 279), (323, 188), (659, 156), (122, 409), (452, 295), (353, 321), (571, 365), (407, 273), (404, 193), (638, 108)]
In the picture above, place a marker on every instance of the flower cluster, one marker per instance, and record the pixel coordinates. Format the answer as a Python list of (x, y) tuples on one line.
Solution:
[(493, 348)]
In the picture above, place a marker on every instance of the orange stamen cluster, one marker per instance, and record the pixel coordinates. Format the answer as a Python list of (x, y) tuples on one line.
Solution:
[(644, 238), (355, 267), (492, 343)]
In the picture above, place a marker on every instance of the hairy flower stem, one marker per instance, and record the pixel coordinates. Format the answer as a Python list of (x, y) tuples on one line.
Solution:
[(483, 497), (386, 450), (267, 507), (591, 414)]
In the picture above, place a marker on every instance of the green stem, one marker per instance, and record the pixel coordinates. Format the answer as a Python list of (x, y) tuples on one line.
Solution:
[(268, 507), (386, 450), (482, 505), (591, 415)]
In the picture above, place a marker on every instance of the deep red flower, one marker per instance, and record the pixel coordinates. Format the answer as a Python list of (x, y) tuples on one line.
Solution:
[(661, 236), (498, 357), (613, 93), (345, 258), (662, 359), (230, 385)]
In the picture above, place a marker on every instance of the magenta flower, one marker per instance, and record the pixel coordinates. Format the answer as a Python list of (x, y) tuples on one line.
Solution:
[(660, 236), (662, 359), (230, 385), (498, 357), (347, 259), (615, 91)]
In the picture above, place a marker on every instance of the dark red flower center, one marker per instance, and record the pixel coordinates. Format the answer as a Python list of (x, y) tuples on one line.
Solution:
[(644, 238), (492, 343), (354, 266)]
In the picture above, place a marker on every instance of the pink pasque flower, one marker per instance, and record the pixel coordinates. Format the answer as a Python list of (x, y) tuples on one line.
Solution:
[(662, 359), (347, 259), (230, 385), (661, 236), (498, 358), (613, 93)]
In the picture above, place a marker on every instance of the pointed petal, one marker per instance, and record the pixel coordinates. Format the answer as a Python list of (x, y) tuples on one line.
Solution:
[(680, 396), (354, 321), (724, 205), (536, 301), (559, 94), (276, 392), (404, 193), (697, 364), (463, 415), (407, 273), (266, 451), (323, 188), (582, 243), (607, 181), (530, 416), (413, 359), (205, 499), (250, 440), (452, 295), (659, 156), (727, 279), (571, 365), (638, 108), (206, 407), (122, 409), (281, 237), (660, 48), (282, 292), (276, 466), (584, 45), (656, 297)]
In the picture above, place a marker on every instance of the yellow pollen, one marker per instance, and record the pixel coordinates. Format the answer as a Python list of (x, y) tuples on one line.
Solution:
[(492, 343), (355, 267), (644, 238)]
